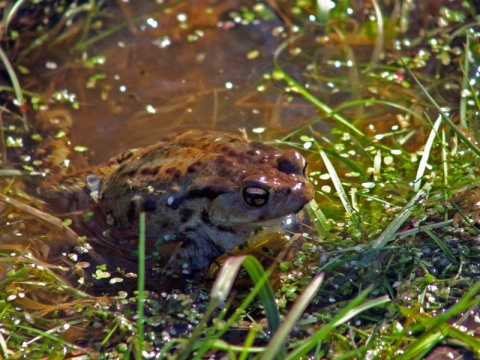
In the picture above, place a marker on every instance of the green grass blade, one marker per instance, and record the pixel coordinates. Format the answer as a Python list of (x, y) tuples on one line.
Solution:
[(390, 232), (279, 73), (294, 314), (248, 344), (215, 340), (469, 340), (17, 89), (450, 123), (442, 246), (337, 183), (380, 39), (221, 288), (433, 326), (466, 84), (370, 102), (393, 227), (351, 164), (353, 308), (447, 330), (318, 218), (49, 334), (463, 99), (257, 273), (322, 11), (140, 288), (11, 13), (422, 166)]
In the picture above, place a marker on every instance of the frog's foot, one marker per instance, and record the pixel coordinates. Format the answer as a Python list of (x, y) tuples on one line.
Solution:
[(194, 257)]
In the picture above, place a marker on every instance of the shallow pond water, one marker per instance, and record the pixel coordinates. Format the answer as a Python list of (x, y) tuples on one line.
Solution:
[(195, 65)]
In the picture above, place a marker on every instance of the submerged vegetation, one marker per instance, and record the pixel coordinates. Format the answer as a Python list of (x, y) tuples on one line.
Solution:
[(384, 95)]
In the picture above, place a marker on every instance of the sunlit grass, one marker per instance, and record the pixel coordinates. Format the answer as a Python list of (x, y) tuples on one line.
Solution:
[(435, 328), (416, 201)]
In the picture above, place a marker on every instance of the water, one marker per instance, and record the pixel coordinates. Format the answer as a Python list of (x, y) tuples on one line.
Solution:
[(195, 66)]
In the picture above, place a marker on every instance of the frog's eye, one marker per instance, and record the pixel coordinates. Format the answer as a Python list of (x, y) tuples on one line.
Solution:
[(255, 196)]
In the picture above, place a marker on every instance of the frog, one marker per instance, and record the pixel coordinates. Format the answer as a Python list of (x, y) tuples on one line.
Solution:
[(206, 191)]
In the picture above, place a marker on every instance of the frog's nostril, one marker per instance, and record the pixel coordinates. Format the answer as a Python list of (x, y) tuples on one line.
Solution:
[(305, 169), (291, 162)]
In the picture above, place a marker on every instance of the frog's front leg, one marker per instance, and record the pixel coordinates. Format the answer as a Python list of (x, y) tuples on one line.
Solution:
[(195, 256)]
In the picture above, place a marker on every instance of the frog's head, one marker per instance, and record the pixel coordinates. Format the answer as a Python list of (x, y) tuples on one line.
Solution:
[(252, 194)]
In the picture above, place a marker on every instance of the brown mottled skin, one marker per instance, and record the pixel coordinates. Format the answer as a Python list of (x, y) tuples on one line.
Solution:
[(208, 190)]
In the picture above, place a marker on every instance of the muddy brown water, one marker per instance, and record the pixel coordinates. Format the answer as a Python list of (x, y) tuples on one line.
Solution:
[(158, 78)]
